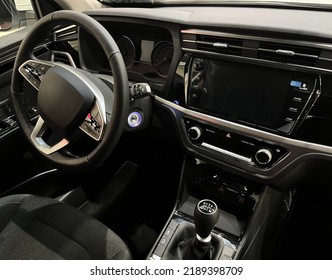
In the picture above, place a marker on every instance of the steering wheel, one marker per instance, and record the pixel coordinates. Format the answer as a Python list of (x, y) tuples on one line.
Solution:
[(70, 98)]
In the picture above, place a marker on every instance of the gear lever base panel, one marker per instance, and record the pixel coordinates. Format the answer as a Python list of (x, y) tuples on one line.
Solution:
[(193, 237), (225, 249)]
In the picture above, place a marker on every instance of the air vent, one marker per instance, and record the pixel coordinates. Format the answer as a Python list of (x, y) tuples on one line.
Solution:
[(68, 33), (222, 45), (251, 48), (288, 53)]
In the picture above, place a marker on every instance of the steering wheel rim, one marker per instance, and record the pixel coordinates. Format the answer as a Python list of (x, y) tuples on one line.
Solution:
[(113, 126)]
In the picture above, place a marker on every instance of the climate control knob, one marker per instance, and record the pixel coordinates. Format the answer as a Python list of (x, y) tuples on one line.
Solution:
[(194, 132), (263, 156)]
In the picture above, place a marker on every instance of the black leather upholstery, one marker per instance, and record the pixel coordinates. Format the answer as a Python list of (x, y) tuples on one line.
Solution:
[(33, 227)]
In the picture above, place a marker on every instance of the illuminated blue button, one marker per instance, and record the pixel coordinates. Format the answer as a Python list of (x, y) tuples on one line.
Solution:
[(296, 83), (135, 119)]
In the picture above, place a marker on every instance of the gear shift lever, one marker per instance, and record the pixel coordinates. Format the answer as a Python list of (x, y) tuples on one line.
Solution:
[(196, 243), (206, 215)]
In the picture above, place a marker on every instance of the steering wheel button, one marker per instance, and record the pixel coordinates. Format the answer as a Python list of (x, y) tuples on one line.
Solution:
[(43, 68), (84, 126), (34, 82)]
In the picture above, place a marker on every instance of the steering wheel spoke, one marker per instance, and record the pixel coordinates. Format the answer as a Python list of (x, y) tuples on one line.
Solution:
[(39, 142), (34, 70), (94, 123)]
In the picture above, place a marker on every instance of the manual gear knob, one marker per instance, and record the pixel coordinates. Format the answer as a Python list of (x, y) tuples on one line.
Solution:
[(206, 215)]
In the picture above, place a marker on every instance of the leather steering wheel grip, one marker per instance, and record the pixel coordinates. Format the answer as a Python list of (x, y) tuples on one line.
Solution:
[(41, 31)]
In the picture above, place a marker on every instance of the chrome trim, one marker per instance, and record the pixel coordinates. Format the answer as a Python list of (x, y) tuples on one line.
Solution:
[(40, 144), (68, 33), (32, 61), (155, 257), (267, 153), (65, 29), (66, 54), (220, 45), (204, 240), (189, 41), (228, 153), (256, 38), (285, 52)]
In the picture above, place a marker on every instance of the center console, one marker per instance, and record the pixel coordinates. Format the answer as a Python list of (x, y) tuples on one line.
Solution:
[(244, 206), (244, 108)]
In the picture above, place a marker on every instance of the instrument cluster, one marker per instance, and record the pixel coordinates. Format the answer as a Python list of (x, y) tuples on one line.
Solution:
[(146, 56)]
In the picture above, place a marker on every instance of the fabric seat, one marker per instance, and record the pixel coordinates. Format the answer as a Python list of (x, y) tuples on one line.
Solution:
[(33, 227)]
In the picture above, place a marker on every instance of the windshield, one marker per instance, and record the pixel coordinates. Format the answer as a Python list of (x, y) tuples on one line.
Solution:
[(303, 3)]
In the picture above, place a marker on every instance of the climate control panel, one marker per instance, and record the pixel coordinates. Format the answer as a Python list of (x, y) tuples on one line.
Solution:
[(249, 150)]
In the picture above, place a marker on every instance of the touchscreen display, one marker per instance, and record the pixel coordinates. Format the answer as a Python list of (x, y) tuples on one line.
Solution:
[(253, 94)]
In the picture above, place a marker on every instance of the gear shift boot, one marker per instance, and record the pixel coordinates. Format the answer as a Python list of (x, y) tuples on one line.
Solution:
[(196, 242), (184, 245)]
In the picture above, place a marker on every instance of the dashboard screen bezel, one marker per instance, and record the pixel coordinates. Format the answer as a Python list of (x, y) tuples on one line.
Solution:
[(278, 98)]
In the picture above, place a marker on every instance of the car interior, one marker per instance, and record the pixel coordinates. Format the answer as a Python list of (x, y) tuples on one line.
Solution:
[(167, 130)]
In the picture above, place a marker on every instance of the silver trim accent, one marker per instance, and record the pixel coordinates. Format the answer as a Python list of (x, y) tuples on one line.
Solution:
[(267, 153), (198, 130), (135, 119), (204, 240), (155, 257), (220, 45), (72, 33), (209, 201), (285, 52), (33, 61), (228, 153), (189, 41), (70, 58), (255, 38), (40, 144), (65, 28)]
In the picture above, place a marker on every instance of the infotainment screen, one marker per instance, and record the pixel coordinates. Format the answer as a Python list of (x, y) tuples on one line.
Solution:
[(258, 95)]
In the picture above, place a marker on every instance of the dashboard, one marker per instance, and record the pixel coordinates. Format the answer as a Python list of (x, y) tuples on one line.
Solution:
[(248, 89)]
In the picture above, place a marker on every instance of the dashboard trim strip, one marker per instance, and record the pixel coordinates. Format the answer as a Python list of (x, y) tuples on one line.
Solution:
[(228, 153), (257, 38)]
